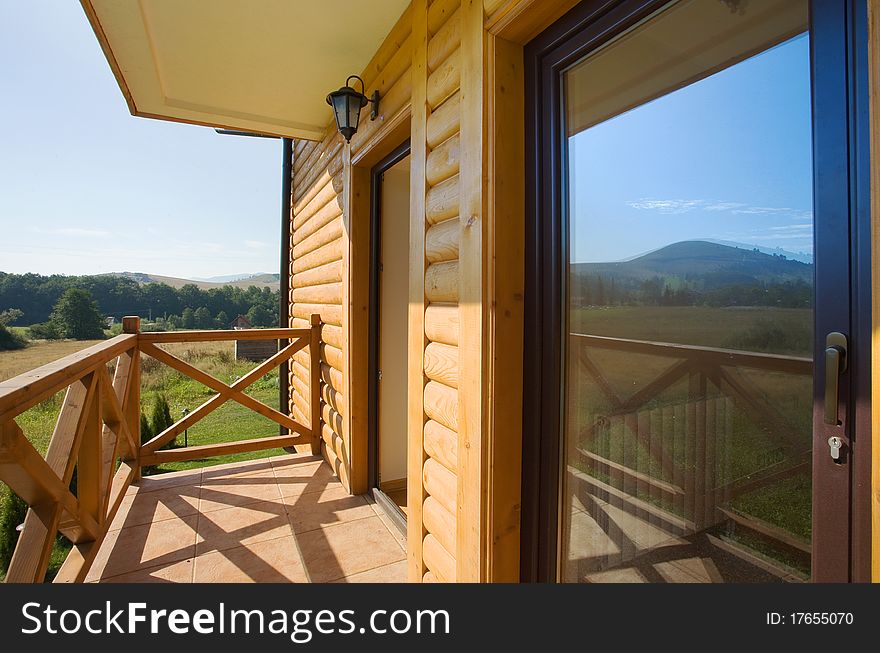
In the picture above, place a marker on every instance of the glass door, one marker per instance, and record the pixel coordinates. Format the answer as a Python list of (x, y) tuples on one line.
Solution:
[(702, 362)]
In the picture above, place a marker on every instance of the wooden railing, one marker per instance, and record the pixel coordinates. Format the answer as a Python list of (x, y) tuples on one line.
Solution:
[(683, 483), (97, 436)]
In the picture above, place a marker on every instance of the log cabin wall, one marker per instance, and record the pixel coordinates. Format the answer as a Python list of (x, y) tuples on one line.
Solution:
[(434, 426), (322, 242), (450, 79)]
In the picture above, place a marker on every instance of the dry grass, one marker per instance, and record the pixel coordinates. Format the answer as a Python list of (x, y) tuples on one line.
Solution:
[(40, 352)]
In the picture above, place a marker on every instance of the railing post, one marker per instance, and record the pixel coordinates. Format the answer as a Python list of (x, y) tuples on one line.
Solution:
[(132, 409), (315, 385)]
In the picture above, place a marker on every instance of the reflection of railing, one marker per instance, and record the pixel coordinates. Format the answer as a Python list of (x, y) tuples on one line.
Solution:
[(669, 462), (97, 436)]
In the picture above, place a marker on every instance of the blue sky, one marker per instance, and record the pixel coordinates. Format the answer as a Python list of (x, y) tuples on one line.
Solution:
[(87, 188), (728, 158)]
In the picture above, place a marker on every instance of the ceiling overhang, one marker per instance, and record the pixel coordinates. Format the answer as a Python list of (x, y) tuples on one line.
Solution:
[(262, 66)]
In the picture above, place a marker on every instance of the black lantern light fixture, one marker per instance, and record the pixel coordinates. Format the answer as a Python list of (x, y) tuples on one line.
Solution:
[(347, 104)]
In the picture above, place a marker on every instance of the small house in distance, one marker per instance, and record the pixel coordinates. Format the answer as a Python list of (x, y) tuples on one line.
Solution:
[(251, 350), (241, 322)]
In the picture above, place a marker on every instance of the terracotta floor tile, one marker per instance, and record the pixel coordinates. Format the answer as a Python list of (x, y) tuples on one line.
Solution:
[(319, 509), (305, 478), (176, 572), (148, 545), (163, 481), (231, 527), (394, 573), (295, 458), (622, 575), (347, 549), (272, 561), (158, 505), (399, 535), (674, 573), (236, 469), (241, 490)]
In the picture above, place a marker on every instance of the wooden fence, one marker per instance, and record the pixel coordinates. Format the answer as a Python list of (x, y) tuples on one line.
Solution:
[(97, 436), (669, 461)]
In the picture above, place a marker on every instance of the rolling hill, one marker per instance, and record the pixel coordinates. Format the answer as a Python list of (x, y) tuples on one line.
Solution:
[(705, 264), (258, 280)]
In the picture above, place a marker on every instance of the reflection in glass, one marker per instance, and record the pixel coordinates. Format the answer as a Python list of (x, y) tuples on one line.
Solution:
[(689, 371)]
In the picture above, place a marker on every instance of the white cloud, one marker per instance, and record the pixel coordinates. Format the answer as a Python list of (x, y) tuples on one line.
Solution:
[(255, 244), (667, 206), (678, 206)]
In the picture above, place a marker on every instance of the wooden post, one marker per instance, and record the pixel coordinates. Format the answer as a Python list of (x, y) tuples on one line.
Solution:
[(315, 385), (132, 407), (90, 461)]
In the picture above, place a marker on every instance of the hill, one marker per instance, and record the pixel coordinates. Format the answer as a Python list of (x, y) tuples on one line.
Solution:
[(705, 264), (270, 281)]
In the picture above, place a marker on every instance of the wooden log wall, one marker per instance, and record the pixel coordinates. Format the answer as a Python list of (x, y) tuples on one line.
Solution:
[(440, 71), (316, 278), (320, 274), (434, 432)]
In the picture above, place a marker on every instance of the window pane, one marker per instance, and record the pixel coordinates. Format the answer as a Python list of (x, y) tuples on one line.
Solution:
[(688, 420)]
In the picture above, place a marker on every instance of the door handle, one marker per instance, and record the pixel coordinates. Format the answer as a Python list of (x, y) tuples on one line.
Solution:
[(835, 365)]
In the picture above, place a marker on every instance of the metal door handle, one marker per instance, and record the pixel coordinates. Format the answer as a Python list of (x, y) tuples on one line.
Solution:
[(835, 365)]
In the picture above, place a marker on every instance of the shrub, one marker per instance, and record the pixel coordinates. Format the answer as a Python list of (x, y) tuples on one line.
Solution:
[(10, 339), (12, 513), (160, 419), (146, 431), (44, 331)]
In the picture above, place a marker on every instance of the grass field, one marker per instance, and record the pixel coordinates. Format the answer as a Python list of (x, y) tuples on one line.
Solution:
[(40, 352), (730, 327)]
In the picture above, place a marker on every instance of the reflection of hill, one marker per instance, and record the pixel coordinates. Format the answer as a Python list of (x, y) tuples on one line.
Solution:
[(702, 264)]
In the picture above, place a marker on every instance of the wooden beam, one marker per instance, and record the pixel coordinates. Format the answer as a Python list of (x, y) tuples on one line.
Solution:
[(505, 233), (132, 404), (355, 365), (89, 462), (416, 341), (27, 474), (226, 392), (471, 551), (158, 337), (519, 21), (27, 390), (221, 449), (315, 386)]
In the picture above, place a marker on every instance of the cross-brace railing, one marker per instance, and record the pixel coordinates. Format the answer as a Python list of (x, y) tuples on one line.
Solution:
[(97, 435)]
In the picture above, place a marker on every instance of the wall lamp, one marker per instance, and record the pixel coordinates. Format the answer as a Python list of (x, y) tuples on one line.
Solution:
[(347, 104)]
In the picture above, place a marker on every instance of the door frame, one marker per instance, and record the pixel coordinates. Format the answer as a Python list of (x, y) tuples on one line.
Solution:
[(840, 66), (394, 512)]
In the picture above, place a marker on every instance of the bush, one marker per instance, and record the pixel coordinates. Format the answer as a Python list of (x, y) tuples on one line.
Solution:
[(161, 417), (44, 331), (10, 340), (146, 430), (12, 513)]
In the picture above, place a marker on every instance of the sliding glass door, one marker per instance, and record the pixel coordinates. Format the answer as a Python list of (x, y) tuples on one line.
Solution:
[(702, 431)]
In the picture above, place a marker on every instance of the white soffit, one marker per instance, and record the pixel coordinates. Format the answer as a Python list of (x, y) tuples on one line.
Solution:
[(262, 66)]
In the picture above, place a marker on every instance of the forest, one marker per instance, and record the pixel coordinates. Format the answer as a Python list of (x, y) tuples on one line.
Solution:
[(188, 307)]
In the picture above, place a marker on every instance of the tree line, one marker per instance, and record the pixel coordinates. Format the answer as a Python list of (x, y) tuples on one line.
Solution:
[(35, 296), (598, 290)]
